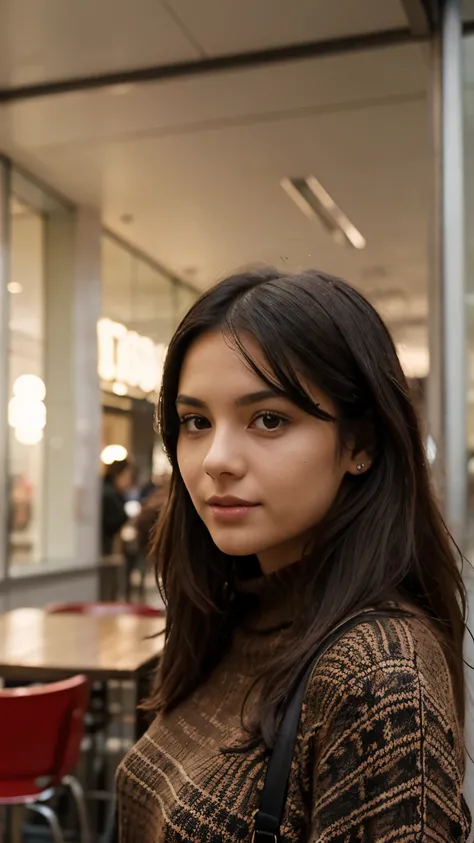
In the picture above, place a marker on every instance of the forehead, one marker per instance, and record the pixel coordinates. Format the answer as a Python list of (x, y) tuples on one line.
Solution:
[(214, 371), (213, 359)]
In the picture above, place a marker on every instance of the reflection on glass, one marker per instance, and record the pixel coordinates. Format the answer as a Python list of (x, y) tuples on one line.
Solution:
[(141, 308), (26, 410), (138, 295), (117, 289), (153, 308)]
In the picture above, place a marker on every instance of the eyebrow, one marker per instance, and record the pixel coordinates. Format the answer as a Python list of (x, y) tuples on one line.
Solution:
[(243, 401)]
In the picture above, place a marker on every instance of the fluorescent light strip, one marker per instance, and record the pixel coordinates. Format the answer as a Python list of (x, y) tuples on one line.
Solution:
[(314, 201)]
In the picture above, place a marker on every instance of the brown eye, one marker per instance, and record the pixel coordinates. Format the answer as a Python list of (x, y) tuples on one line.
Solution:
[(194, 424), (269, 422)]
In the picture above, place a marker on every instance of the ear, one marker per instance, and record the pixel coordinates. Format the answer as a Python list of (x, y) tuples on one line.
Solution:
[(360, 462), (362, 446)]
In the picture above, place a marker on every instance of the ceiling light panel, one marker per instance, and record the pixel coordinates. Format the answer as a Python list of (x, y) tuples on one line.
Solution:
[(314, 201)]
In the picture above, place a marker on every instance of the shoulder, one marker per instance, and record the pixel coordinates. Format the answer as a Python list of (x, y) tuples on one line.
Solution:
[(381, 749), (391, 667), (384, 646)]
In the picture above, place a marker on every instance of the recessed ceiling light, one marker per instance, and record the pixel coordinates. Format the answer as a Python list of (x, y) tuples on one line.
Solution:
[(314, 201), (121, 90), (14, 287)]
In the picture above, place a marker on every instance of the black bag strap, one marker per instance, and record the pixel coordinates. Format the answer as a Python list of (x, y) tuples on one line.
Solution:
[(268, 817)]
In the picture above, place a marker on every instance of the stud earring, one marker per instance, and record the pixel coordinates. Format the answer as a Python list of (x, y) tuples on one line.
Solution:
[(360, 466)]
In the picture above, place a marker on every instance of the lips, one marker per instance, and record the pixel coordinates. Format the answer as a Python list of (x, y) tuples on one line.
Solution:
[(229, 502), (230, 510)]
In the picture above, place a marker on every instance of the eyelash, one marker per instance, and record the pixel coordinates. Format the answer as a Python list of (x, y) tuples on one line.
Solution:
[(266, 413), (191, 417)]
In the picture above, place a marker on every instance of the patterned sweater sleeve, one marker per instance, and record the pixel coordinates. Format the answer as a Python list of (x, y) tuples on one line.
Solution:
[(386, 762)]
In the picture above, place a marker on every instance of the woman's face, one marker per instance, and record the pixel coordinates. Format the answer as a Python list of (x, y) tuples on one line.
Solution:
[(260, 471)]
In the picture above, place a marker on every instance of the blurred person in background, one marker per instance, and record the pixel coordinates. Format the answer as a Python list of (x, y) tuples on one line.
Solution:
[(300, 514), (153, 499), (117, 482)]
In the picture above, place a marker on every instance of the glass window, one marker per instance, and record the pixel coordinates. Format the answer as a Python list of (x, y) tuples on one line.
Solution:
[(40, 473), (27, 391), (140, 296), (154, 304), (141, 308), (117, 292)]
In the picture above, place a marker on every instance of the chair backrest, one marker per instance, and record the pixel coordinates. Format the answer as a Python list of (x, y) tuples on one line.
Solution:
[(41, 729), (139, 610)]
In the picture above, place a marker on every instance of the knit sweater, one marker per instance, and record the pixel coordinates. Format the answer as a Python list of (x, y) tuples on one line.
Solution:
[(379, 754)]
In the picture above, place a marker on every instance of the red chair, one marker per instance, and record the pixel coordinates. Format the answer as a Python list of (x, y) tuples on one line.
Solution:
[(41, 730), (104, 610), (100, 715)]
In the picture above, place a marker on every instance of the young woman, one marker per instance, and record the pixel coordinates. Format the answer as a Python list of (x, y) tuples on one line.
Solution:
[(300, 497)]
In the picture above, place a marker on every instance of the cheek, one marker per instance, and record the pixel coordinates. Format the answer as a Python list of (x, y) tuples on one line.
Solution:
[(307, 474), (188, 464)]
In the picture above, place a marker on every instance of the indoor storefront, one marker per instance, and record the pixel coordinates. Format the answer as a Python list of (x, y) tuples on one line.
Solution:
[(87, 321), (49, 434), (141, 307)]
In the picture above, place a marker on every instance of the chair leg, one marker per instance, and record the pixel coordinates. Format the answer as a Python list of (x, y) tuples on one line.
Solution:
[(77, 793), (111, 829), (50, 818)]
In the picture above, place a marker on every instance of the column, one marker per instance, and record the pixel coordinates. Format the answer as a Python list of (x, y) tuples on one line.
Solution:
[(73, 433), (451, 307), (447, 384), (88, 415), (58, 509)]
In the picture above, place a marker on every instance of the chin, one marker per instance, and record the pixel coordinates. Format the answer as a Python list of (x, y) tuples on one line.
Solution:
[(234, 545)]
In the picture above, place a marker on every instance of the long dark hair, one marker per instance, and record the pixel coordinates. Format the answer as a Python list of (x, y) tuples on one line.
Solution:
[(383, 536)]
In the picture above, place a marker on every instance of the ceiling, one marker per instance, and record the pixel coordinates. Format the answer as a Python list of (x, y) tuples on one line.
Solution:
[(54, 39), (189, 169)]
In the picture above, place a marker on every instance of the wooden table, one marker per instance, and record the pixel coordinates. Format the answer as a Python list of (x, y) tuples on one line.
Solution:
[(36, 646)]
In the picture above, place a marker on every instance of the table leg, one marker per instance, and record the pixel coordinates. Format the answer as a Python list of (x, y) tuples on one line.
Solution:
[(111, 831), (16, 824)]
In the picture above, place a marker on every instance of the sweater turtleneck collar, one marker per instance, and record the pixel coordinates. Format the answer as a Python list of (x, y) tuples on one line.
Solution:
[(276, 594)]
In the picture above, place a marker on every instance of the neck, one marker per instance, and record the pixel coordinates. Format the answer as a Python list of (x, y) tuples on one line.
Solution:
[(275, 592), (284, 555)]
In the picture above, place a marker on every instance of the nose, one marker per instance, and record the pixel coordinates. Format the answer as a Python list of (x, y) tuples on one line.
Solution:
[(224, 455)]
